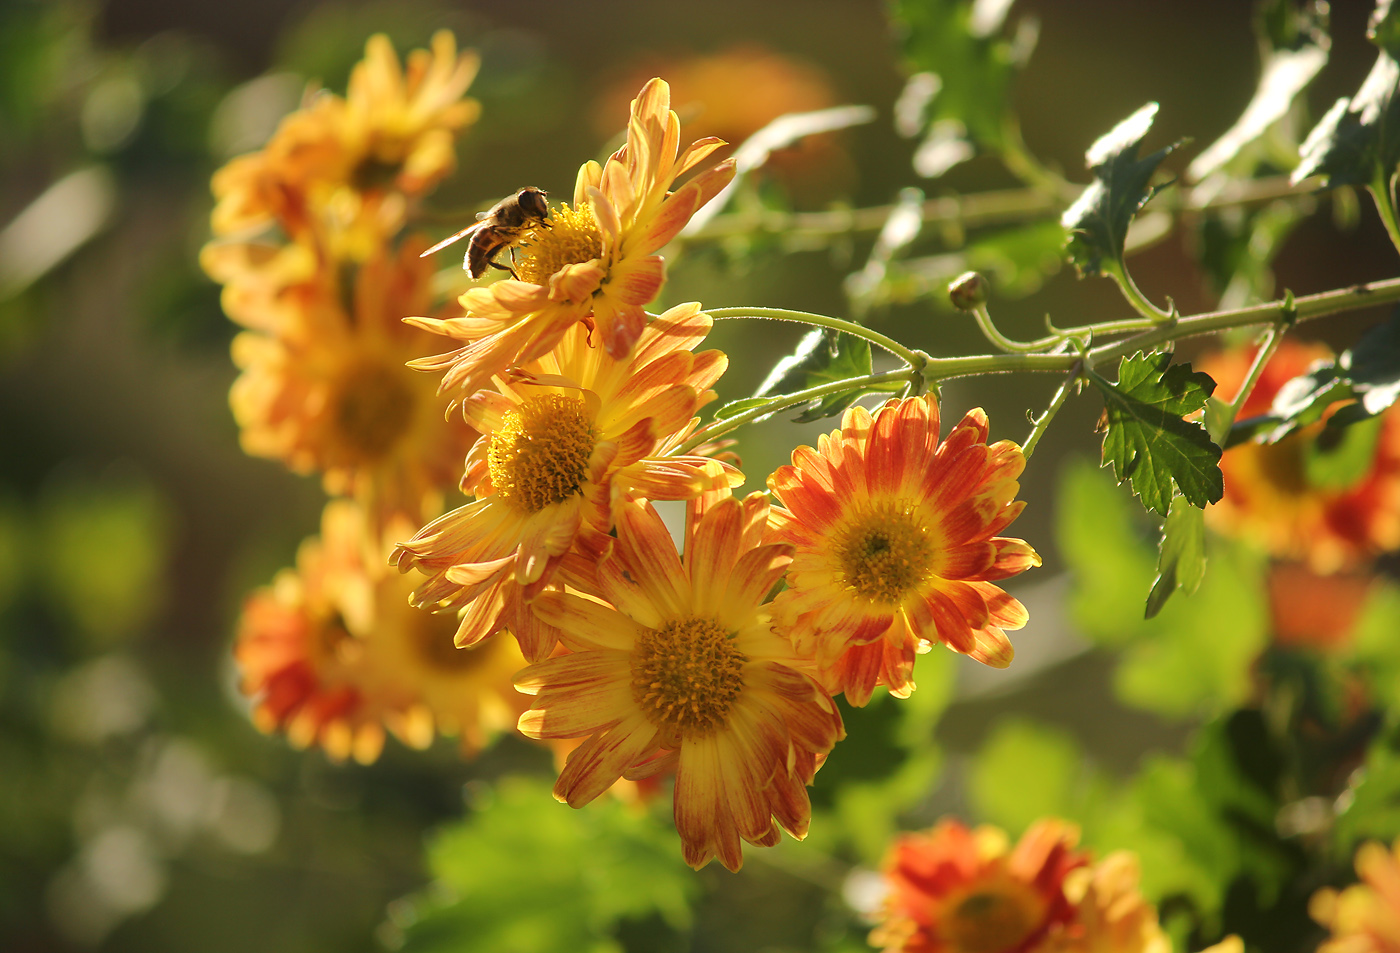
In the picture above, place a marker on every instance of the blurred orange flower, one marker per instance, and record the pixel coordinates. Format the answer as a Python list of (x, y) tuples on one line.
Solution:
[(337, 398), (1110, 914), (344, 170), (333, 654), (562, 441), (958, 891), (597, 259), (1365, 917), (683, 669), (1268, 498), (897, 544)]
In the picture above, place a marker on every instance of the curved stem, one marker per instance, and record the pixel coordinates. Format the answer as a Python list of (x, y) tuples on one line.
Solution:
[(1023, 164), (721, 427), (1140, 302), (914, 359), (1042, 423), (990, 332)]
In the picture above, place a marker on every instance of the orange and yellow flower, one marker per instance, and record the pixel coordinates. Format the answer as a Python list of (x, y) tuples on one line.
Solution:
[(681, 667), (339, 399), (897, 545), (1110, 914), (1268, 496), (1365, 917), (597, 259), (564, 439), (343, 170), (953, 890), (333, 654)]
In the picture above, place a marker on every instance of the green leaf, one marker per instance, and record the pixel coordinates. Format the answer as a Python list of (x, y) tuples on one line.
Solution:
[(1357, 142), (528, 874), (1368, 372), (959, 94), (1182, 561), (1285, 74), (1344, 452), (821, 357), (1023, 772), (1098, 221), (1148, 442), (1196, 655), (736, 407), (1373, 810)]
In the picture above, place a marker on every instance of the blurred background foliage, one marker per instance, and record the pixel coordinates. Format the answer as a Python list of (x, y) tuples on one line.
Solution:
[(139, 809)]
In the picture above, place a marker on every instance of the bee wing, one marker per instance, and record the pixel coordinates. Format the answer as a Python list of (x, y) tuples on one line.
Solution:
[(452, 238)]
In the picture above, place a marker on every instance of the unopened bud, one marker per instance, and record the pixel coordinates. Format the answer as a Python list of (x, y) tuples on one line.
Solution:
[(968, 291)]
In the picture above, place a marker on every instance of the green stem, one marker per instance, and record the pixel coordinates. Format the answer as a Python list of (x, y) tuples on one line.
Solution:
[(1300, 309), (1042, 422), (914, 359), (1140, 302), (978, 210), (1385, 204), (1266, 351), (990, 332), (719, 428)]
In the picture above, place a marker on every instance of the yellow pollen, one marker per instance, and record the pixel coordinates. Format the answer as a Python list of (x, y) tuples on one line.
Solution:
[(373, 410), (885, 551), (539, 457), (993, 919), (686, 675), (572, 238)]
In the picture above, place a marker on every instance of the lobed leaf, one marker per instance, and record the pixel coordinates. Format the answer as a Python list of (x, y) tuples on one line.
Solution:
[(1181, 563), (1357, 142), (1148, 442), (1098, 221)]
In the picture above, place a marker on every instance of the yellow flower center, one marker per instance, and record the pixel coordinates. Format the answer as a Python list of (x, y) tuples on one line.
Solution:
[(993, 918), (432, 637), (884, 551), (539, 457), (373, 410), (572, 238), (686, 675)]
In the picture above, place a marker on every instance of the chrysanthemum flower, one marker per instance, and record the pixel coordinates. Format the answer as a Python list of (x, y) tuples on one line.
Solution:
[(958, 891), (1365, 917), (338, 398), (564, 439), (1268, 497), (1110, 914), (345, 168), (333, 654), (897, 544), (683, 669), (597, 259)]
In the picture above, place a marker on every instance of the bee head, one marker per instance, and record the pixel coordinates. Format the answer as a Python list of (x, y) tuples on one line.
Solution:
[(532, 201)]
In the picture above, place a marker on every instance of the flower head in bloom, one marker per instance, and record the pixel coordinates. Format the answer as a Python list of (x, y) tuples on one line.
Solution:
[(958, 891), (897, 546), (596, 261), (344, 169), (1269, 497), (1110, 914), (680, 667), (333, 654), (561, 442), (339, 399), (1365, 917)]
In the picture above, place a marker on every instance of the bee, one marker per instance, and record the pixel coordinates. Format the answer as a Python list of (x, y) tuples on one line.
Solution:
[(499, 228)]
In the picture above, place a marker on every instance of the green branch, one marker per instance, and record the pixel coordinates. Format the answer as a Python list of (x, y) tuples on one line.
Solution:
[(915, 359)]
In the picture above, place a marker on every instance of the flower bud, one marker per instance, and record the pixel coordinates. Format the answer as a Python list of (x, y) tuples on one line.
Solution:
[(968, 291)]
